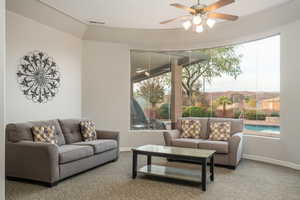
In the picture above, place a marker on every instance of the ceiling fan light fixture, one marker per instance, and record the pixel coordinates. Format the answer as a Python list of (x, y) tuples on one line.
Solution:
[(210, 23), (187, 24), (199, 28), (201, 16), (197, 19)]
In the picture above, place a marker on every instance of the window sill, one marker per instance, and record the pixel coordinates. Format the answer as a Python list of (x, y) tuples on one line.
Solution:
[(246, 133), (148, 131), (261, 134)]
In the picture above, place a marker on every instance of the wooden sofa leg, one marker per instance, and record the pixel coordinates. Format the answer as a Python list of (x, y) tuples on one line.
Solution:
[(115, 160), (52, 184), (32, 181), (232, 167)]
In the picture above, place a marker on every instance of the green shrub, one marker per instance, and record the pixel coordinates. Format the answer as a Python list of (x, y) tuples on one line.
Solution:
[(210, 113), (275, 114), (260, 116), (250, 114), (237, 114), (195, 111), (164, 111), (255, 115)]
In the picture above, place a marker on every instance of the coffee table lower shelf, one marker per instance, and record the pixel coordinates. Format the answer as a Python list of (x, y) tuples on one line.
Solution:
[(200, 156), (171, 172)]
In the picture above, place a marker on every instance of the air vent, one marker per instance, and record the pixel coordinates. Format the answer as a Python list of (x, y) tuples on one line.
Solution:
[(93, 22)]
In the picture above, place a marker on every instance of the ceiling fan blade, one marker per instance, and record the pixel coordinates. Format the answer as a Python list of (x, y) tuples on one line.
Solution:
[(177, 5), (222, 16), (174, 19), (218, 4)]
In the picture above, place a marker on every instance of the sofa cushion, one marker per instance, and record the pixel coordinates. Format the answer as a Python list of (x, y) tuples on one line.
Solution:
[(186, 142), (218, 146), (220, 131), (88, 130), (68, 153), (203, 121), (59, 136), (16, 132), (44, 134), (22, 131), (71, 130), (99, 145), (237, 125), (190, 129)]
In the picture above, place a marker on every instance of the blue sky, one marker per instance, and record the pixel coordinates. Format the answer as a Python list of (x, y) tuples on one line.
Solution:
[(260, 68)]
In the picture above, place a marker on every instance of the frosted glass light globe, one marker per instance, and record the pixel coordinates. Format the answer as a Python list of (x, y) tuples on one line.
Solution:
[(199, 29), (187, 24), (210, 22), (197, 20)]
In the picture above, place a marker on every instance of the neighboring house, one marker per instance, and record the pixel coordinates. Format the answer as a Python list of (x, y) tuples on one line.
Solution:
[(272, 104)]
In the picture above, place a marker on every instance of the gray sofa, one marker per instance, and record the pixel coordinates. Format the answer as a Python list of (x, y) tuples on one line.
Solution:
[(50, 163), (228, 153)]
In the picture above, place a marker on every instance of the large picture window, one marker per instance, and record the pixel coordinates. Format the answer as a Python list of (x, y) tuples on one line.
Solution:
[(240, 81), (151, 90)]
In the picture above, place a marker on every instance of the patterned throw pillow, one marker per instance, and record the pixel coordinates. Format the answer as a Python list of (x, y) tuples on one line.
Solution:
[(220, 131), (191, 129), (88, 130), (45, 134)]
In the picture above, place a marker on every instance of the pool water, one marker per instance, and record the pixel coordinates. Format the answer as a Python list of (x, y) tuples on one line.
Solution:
[(263, 128)]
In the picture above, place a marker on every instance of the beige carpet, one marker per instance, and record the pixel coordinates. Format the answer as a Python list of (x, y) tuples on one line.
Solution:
[(250, 181)]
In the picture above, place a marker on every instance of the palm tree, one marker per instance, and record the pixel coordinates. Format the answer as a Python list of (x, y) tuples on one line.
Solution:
[(223, 100)]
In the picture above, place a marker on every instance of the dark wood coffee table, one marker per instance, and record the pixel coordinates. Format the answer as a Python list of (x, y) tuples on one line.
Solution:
[(200, 156)]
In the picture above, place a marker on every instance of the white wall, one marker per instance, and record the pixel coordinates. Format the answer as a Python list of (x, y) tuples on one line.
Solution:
[(2, 98), (25, 35), (287, 147), (44, 14), (106, 90)]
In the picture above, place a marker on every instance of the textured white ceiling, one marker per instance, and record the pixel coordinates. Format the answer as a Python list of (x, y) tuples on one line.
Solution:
[(146, 14)]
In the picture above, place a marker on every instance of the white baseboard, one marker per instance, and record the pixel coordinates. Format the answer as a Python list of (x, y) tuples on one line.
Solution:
[(272, 161), (125, 149)]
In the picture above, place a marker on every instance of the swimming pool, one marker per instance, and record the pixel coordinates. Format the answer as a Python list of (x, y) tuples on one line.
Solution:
[(263, 128)]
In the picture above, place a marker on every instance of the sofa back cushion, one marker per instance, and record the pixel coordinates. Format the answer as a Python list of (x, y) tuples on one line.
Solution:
[(237, 125), (88, 130), (16, 132), (204, 121), (190, 129), (71, 130), (44, 134), (220, 131)]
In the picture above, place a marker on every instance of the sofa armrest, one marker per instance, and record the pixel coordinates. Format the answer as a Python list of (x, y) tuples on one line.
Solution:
[(32, 160), (235, 148), (103, 134), (113, 135), (170, 135)]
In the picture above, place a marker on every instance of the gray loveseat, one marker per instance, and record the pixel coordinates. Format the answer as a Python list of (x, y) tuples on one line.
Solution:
[(50, 163), (228, 153)]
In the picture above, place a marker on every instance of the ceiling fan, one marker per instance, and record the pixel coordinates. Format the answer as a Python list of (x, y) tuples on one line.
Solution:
[(201, 14)]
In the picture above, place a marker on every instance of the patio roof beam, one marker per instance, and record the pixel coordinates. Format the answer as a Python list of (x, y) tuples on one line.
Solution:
[(176, 94), (184, 62)]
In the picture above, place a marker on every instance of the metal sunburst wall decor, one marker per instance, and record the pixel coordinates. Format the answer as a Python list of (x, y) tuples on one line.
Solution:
[(38, 77)]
